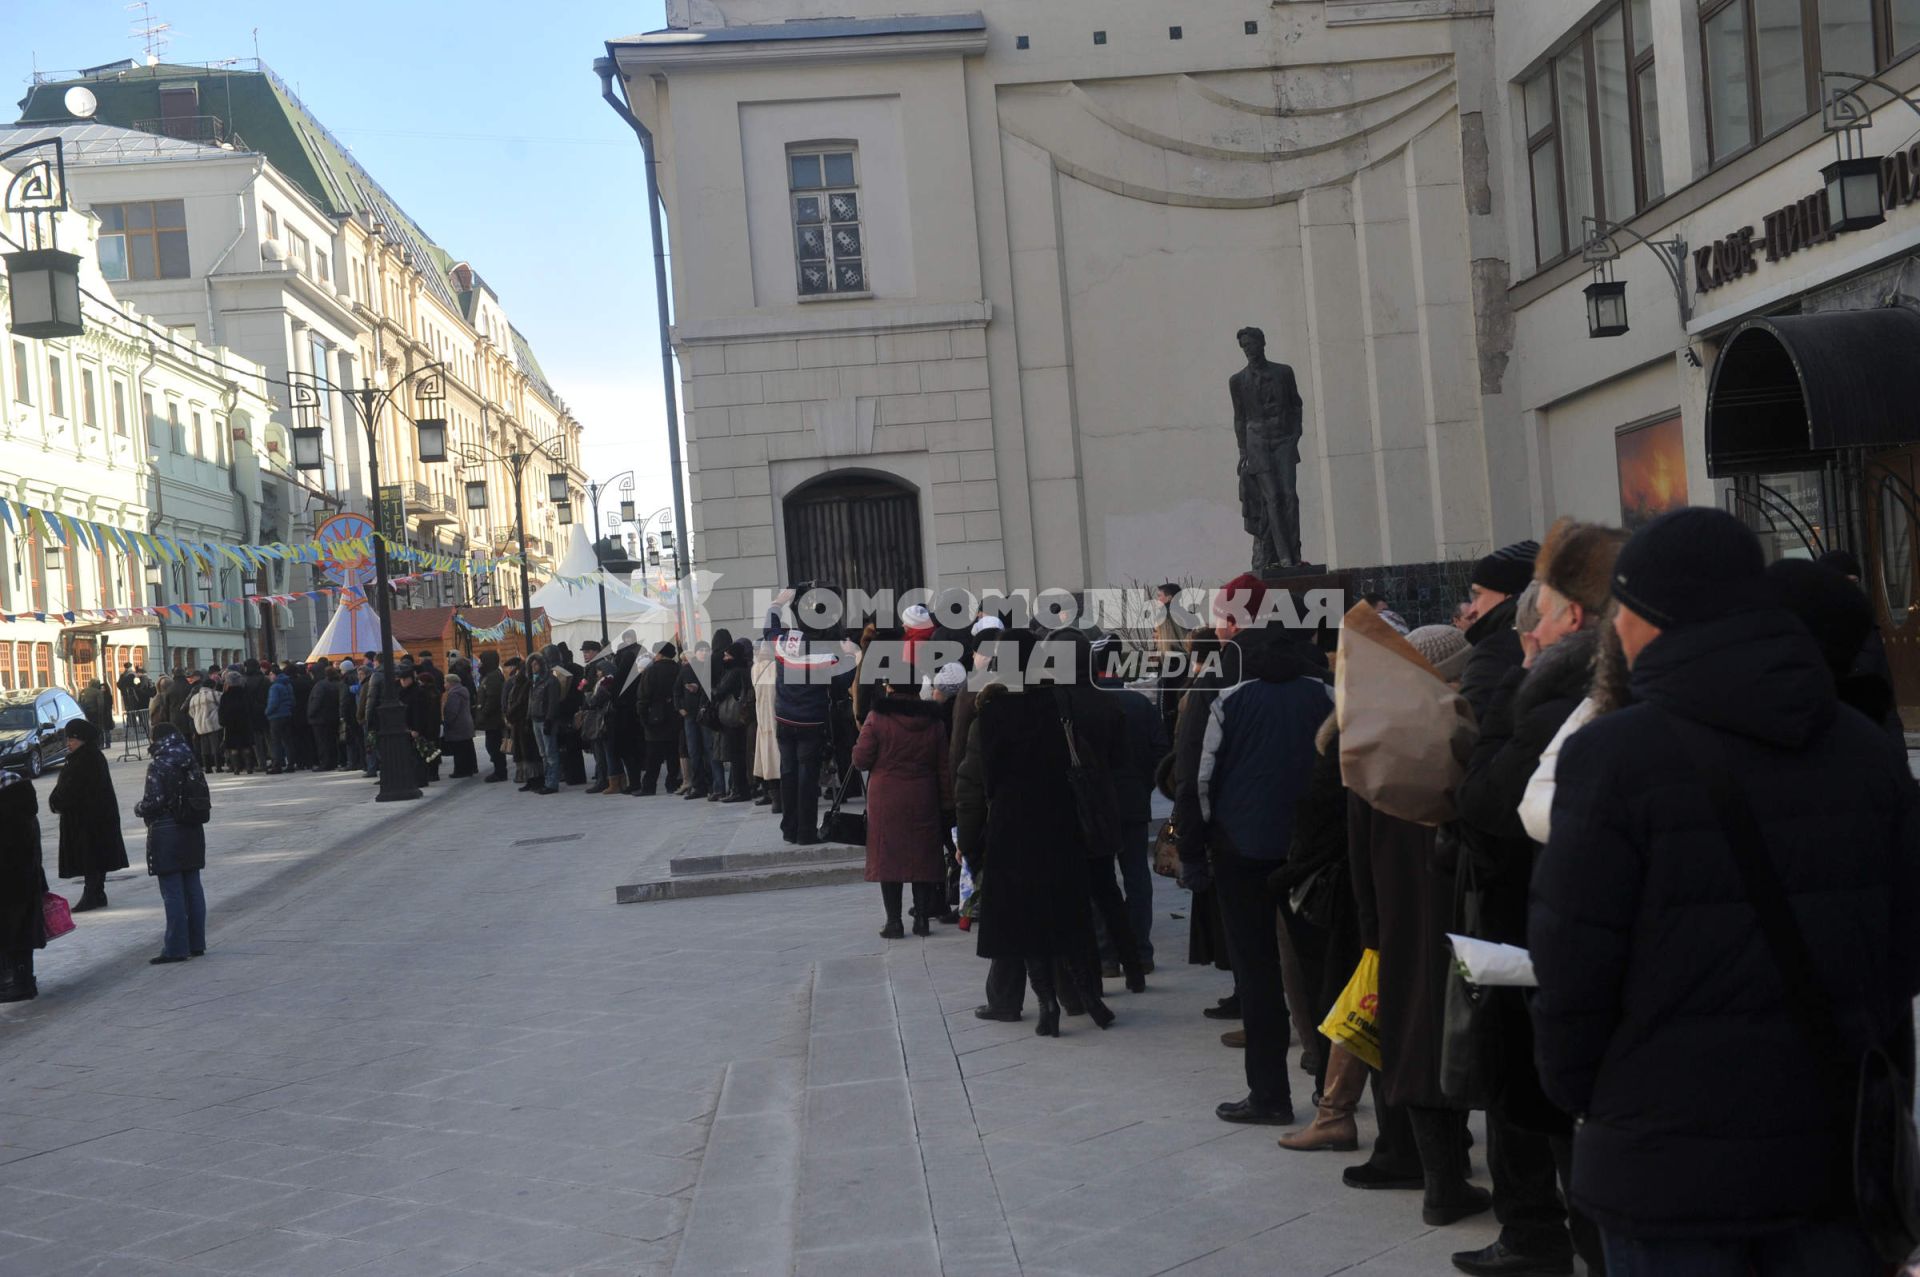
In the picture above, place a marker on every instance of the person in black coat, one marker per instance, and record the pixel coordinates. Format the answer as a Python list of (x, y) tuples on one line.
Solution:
[(90, 843), (1712, 1132), (236, 724), (258, 682), (302, 738), (1144, 743), (660, 721), (733, 746), (323, 717), (420, 705), (1035, 861), (23, 887), (626, 743)]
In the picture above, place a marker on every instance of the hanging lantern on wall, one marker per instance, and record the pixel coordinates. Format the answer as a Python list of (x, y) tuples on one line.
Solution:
[(44, 288), (1606, 306), (1853, 193)]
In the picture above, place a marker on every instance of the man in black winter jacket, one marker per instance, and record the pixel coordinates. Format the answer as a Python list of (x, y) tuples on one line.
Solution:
[(1712, 1130), (1244, 758)]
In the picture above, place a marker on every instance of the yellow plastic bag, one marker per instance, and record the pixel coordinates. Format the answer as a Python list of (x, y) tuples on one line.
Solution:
[(1354, 1021)]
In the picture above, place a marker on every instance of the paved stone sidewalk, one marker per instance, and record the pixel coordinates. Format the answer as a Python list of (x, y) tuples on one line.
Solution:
[(446, 1050)]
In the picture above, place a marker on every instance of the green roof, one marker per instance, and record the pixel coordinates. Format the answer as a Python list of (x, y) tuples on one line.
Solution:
[(257, 111)]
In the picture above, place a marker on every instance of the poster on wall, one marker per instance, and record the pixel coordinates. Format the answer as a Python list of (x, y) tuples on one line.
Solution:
[(1652, 460)]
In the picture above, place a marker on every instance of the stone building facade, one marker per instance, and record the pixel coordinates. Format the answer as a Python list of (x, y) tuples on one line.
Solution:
[(1013, 372)]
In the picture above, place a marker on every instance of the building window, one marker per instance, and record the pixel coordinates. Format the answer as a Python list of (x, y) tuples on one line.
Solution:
[(300, 251), (56, 387), (22, 374), (176, 434), (827, 242), (273, 222), (153, 422), (199, 439), (1593, 130), (143, 241), (1763, 58), (89, 400), (120, 408)]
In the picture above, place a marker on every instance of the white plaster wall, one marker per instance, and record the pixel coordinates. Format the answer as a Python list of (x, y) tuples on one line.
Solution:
[(1578, 438), (767, 130)]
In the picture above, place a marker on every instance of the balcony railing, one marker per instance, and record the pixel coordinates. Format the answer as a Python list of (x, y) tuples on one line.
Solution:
[(209, 130)]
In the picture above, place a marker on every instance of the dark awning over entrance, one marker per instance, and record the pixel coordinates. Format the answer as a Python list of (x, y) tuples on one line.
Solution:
[(1788, 389)]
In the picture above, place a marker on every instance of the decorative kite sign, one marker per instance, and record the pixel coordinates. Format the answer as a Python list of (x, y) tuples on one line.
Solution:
[(345, 540)]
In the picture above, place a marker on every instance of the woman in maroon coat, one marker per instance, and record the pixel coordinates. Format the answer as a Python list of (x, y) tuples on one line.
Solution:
[(903, 748)]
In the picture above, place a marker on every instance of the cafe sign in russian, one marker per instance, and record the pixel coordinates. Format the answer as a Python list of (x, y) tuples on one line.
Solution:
[(1793, 227)]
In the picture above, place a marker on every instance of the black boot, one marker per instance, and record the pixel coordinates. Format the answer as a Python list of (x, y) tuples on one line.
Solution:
[(1087, 977), (890, 897), (922, 910), (1441, 1137), (20, 985), (1041, 975)]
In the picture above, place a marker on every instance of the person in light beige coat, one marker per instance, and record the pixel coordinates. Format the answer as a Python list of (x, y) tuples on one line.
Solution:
[(766, 749)]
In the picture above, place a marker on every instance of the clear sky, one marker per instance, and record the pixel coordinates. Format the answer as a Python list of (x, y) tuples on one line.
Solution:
[(484, 120)]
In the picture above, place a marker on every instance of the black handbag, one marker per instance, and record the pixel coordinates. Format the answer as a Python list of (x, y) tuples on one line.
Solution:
[(844, 826), (1467, 1016), (1868, 1092)]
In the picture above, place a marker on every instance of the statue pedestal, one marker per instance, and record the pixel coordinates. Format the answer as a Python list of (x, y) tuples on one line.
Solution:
[(1300, 578)]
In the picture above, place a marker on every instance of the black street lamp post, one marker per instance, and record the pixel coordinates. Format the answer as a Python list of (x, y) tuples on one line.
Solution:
[(397, 773), (626, 516)]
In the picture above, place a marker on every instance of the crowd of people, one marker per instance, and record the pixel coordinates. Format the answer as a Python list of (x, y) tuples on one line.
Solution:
[(1672, 774)]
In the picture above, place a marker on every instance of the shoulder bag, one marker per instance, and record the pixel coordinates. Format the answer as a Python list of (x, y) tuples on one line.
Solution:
[(1094, 801), (844, 826), (1877, 1100)]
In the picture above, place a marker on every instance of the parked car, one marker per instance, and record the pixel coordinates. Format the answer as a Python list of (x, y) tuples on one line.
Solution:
[(33, 728)]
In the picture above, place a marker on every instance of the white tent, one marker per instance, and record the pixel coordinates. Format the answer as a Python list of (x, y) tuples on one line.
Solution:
[(354, 629), (574, 610)]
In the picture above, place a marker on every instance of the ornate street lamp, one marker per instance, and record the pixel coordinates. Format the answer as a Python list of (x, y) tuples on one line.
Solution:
[(557, 486), (44, 288), (1607, 296), (432, 438), (564, 510), (1606, 308), (43, 283), (626, 510), (476, 494), (1853, 193), (308, 447)]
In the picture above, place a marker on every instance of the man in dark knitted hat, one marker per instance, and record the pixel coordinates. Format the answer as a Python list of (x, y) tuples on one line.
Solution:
[(1497, 581), (1717, 1114)]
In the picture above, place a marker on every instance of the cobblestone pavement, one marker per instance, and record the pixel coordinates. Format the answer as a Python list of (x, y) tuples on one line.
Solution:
[(425, 1041)]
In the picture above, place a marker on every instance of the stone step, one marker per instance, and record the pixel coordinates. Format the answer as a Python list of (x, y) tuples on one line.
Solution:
[(731, 861), (733, 882)]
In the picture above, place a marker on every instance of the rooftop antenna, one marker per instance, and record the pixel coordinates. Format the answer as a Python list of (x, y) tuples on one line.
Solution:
[(150, 30)]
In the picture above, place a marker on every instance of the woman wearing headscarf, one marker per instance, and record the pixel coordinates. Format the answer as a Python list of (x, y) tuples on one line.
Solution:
[(733, 696), (1038, 905), (903, 747), (456, 720), (23, 888), (90, 843)]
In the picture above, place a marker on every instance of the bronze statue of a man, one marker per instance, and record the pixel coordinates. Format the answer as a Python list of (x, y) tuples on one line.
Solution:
[(1267, 426)]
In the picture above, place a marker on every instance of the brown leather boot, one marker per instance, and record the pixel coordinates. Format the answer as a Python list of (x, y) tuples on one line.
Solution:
[(1333, 1126)]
